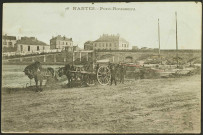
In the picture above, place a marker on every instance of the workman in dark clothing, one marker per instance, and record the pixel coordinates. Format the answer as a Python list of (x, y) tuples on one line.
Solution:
[(113, 74), (137, 73), (122, 73), (142, 72)]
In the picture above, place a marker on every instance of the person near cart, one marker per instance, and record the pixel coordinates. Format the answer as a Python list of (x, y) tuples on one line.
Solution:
[(113, 74), (122, 73)]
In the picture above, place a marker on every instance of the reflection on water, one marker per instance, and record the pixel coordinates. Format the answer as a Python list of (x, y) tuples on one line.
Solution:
[(13, 75)]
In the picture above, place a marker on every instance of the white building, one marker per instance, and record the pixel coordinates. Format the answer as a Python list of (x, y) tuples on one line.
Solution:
[(110, 42), (60, 42), (8, 41), (31, 45)]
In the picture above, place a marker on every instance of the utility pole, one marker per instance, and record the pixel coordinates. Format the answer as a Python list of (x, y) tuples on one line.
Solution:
[(73, 56), (159, 36), (176, 39)]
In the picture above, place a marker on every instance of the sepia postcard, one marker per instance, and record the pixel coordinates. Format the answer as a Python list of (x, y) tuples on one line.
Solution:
[(101, 67)]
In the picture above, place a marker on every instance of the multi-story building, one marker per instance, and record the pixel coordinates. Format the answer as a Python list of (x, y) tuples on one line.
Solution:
[(88, 45), (60, 42), (110, 42), (8, 41), (31, 45)]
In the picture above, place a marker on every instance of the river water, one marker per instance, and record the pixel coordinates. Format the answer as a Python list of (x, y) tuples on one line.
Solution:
[(13, 75)]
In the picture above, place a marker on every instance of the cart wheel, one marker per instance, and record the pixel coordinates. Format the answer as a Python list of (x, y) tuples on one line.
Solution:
[(104, 75)]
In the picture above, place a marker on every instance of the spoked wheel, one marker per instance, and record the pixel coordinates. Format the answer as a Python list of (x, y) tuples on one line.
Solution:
[(104, 75)]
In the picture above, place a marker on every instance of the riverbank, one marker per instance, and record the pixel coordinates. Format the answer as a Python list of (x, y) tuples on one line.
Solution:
[(27, 63), (171, 105)]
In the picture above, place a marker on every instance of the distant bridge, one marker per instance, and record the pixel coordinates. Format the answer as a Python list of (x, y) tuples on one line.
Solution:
[(114, 56), (130, 56), (53, 57)]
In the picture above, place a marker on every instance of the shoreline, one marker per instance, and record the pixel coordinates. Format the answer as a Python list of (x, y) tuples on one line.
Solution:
[(27, 63)]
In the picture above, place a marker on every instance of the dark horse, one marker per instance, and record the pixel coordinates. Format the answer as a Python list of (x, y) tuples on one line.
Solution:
[(67, 72), (36, 71)]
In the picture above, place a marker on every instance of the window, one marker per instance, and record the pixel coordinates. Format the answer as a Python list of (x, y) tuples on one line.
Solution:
[(21, 48), (37, 48), (10, 44), (28, 49)]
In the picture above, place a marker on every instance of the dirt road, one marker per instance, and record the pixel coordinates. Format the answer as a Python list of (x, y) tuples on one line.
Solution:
[(143, 106)]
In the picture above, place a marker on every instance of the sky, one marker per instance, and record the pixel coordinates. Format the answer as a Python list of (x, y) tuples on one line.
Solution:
[(139, 26)]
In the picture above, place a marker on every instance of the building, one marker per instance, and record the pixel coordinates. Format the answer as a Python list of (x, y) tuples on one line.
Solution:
[(8, 41), (110, 42), (88, 45), (60, 42), (31, 45), (135, 48), (71, 48)]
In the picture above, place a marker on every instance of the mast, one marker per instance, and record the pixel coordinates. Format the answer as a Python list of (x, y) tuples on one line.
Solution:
[(176, 39), (159, 36)]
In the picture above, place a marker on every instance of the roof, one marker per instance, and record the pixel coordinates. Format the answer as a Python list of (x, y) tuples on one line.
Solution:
[(89, 42), (9, 37), (59, 37), (110, 38), (30, 41)]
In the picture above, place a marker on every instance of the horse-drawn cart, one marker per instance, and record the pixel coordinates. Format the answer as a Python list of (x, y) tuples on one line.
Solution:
[(99, 72), (87, 74)]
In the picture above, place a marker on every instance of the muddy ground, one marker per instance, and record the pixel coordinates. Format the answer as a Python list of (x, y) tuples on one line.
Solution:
[(170, 105)]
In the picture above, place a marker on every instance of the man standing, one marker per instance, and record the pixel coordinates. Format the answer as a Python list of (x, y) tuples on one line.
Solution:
[(137, 73), (122, 73), (113, 74)]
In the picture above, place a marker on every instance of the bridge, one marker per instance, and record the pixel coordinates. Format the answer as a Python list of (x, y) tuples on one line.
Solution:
[(114, 56), (130, 56), (60, 57)]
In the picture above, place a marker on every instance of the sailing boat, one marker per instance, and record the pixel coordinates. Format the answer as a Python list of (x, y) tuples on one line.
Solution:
[(159, 36), (159, 55)]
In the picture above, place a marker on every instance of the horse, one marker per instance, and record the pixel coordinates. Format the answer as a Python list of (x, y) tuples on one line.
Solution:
[(36, 71), (67, 72)]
